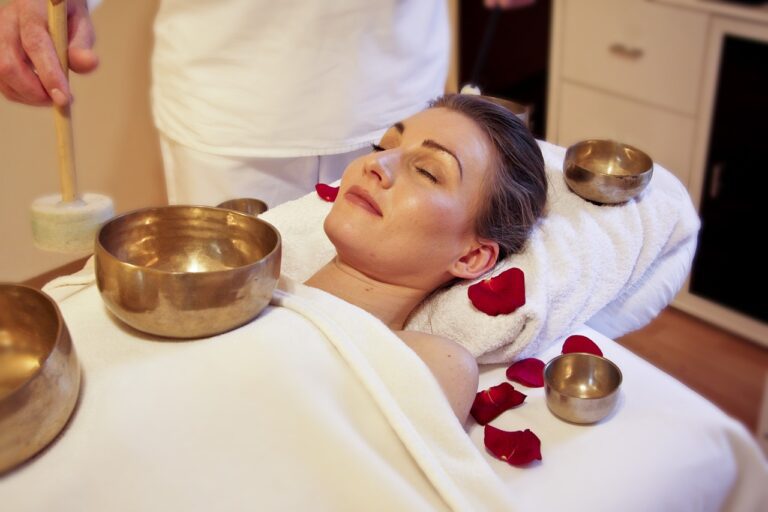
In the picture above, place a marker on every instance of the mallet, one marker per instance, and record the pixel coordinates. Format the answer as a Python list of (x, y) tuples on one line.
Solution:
[(66, 222)]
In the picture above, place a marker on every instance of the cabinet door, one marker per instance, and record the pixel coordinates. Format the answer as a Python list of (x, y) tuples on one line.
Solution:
[(733, 199), (666, 137), (637, 49)]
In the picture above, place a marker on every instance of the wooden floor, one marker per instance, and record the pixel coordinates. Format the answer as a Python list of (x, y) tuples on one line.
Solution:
[(727, 369)]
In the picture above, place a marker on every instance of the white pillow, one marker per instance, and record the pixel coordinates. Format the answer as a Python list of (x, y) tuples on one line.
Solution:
[(629, 259)]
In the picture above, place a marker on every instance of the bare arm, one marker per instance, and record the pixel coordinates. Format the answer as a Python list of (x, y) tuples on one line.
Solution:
[(29, 69), (452, 365)]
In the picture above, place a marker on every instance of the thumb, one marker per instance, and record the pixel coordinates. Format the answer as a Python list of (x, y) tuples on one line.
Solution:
[(82, 58)]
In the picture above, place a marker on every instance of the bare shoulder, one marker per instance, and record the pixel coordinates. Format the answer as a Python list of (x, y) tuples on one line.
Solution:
[(453, 366)]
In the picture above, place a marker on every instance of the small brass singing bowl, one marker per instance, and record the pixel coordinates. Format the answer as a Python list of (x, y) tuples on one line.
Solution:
[(186, 271), (247, 205), (523, 112), (606, 171), (581, 388), (39, 373)]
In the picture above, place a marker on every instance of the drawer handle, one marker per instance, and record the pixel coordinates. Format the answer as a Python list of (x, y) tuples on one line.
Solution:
[(625, 52)]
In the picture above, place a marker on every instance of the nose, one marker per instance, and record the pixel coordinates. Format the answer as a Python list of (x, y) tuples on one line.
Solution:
[(382, 167)]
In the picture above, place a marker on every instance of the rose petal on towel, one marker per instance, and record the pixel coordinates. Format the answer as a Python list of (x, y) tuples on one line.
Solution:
[(517, 448), (499, 295), (528, 372), (493, 401), (327, 192), (579, 343)]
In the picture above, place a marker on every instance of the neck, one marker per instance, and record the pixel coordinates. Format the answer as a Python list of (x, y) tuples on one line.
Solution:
[(390, 303)]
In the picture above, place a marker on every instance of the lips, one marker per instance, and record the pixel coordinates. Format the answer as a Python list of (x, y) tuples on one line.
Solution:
[(359, 196)]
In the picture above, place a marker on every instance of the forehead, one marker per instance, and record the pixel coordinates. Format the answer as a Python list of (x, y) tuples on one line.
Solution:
[(453, 130)]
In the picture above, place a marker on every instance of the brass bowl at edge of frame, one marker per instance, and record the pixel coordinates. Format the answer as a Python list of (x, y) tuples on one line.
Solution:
[(39, 373)]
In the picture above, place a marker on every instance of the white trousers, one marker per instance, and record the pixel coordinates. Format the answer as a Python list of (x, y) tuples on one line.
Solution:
[(197, 177)]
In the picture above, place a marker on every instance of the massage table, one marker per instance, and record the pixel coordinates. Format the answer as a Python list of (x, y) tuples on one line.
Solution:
[(317, 405)]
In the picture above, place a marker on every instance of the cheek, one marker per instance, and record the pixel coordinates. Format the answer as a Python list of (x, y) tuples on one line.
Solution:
[(434, 216)]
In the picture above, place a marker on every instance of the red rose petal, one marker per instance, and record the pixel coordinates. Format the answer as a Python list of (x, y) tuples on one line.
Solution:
[(327, 192), (501, 294), (517, 448), (528, 372), (493, 401), (579, 343)]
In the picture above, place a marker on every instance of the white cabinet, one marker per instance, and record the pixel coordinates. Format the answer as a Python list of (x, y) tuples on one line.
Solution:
[(588, 113), (646, 73), (627, 70), (635, 49)]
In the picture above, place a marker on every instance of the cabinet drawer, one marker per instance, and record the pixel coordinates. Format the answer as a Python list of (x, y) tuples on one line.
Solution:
[(637, 49), (666, 137)]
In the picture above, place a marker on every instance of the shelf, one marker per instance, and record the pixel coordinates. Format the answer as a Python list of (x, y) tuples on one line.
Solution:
[(753, 13)]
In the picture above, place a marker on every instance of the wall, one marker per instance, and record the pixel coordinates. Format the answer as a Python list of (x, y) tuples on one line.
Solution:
[(115, 142)]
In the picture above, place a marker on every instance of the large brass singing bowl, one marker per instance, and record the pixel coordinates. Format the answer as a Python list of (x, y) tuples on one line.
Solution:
[(606, 171), (186, 271), (39, 373), (581, 388)]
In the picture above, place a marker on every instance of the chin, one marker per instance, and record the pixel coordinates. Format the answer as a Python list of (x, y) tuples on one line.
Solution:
[(351, 244)]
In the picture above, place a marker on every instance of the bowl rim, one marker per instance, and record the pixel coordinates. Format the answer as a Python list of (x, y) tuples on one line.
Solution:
[(243, 198), (576, 145), (60, 327), (101, 249), (559, 357)]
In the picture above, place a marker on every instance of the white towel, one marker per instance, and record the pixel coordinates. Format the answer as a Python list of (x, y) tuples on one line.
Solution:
[(581, 258)]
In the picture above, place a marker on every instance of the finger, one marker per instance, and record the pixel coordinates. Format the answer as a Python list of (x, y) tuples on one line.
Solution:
[(16, 74), (514, 4), (12, 95), (9, 93), (82, 58), (39, 48)]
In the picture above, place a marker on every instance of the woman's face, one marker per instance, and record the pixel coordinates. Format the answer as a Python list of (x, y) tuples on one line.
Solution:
[(405, 213)]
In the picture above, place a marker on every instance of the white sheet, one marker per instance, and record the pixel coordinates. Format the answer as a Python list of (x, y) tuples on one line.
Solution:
[(314, 405), (172, 426), (664, 448)]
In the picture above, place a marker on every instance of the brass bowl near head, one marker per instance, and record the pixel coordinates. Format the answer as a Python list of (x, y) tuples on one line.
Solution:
[(581, 388), (39, 373), (186, 271), (523, 112), (606, 171), (248, 205)]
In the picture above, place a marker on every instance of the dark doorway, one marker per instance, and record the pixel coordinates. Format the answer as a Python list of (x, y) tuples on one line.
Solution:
[(518, 56)]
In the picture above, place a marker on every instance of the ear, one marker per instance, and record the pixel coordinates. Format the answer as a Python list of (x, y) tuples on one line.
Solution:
[(479, 259)]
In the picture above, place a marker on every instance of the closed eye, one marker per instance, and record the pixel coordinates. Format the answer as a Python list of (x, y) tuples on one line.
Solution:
[(376, 148), (431, 177)]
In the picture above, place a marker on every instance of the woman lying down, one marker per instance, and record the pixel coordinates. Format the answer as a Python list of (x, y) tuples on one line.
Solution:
[(444, 196), (323, 402)]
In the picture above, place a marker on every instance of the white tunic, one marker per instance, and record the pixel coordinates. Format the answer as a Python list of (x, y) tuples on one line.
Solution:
[(293, 77)]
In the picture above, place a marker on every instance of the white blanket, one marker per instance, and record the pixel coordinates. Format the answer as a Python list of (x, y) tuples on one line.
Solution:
[(581, 259), (272, 416), (316, 405)]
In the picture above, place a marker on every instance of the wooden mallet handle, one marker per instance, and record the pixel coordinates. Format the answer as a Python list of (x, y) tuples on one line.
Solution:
[(57, 26)]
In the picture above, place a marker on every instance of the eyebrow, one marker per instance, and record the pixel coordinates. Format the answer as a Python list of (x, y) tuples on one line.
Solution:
[(429, 143)]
